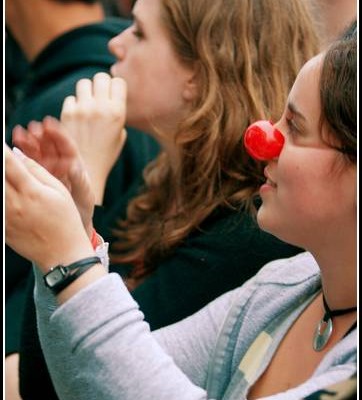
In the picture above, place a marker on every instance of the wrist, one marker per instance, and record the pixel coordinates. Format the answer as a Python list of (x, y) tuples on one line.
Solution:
[(92, 275), (94, 238), (61, 276), (99, 189), (67, 254)]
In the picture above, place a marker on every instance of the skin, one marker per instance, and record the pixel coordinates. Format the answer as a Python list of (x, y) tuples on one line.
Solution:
[(42, 21), (160, 87), (12, 377), (335, 16)]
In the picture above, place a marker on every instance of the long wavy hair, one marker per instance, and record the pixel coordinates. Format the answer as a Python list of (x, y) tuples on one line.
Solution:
[(247, 54)]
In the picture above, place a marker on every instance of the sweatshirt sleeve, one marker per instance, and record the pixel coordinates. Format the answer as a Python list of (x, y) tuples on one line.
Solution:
[(97, 345), (104, 349)]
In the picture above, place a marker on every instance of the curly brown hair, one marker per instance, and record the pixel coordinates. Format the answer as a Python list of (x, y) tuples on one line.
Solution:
[(247, 54)]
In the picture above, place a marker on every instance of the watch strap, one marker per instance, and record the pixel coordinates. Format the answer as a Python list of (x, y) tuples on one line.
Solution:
[(61, 276), (71, 278)]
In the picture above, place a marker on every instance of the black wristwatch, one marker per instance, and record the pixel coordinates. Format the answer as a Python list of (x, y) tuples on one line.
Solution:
[(61, 276)]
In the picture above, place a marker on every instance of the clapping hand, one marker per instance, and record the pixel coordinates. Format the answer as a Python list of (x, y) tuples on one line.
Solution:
[(48, 143), (42, 221), (95, 119)]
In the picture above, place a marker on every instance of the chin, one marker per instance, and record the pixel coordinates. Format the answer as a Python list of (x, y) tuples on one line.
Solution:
[(262, 218), (266, 224), (137, 123)]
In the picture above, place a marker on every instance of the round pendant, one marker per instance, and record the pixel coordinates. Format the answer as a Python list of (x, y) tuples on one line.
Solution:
[(322, 334)]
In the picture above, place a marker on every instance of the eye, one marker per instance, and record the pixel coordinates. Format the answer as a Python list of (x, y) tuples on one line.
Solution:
[(292, 127), (137, 32)]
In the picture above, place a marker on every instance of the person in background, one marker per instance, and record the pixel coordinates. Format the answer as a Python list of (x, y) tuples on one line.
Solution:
[(52, 44), (334, 17), (245, 343), (121, 8)]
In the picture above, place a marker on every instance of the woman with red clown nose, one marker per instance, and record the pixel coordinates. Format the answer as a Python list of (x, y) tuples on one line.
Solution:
[(288, 333)]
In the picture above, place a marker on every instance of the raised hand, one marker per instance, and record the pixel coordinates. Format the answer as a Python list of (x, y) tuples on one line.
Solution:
[(42, 221), (95, 119), (47, 143)]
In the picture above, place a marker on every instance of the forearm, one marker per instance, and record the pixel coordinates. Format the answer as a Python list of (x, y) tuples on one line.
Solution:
[(107, 347)]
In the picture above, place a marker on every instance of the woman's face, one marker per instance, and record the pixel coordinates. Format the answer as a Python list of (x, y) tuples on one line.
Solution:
[(157, 81), (309, 197)]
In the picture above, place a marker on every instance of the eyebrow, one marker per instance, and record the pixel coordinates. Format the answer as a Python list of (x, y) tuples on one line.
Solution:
[(295, 111)]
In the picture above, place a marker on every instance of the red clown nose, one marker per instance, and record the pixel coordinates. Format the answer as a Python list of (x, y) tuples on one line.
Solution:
[(262, 141)]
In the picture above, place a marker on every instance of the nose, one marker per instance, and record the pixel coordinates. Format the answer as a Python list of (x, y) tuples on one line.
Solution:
[(116, 46), (262, 141)]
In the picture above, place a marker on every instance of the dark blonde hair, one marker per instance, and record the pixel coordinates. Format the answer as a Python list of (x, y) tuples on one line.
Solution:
[(247, 54)]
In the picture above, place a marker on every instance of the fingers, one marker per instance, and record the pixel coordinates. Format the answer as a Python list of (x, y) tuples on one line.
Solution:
[(101, 86), (41, 174), (16, 174), (105, 87), (83, 90), (26, 142), (46, 146), (92, 95), (123, 138), (22, 172), (34, 141), (68, 109), (118, 94), (64, 145)]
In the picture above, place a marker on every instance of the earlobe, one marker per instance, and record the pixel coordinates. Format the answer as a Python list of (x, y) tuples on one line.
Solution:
[(191, 86), (190, 91)]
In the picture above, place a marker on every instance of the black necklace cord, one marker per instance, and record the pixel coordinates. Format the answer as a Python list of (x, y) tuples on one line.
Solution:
[(335, 313)]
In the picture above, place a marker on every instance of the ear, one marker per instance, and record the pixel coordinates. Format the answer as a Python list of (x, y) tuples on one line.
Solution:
[(191, 85)]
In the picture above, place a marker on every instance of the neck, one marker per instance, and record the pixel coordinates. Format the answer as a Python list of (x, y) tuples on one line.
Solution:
[(339, 277), (36, 23), (335, 250)]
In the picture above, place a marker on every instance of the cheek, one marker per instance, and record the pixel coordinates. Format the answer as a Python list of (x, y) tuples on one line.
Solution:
[(311, 198), (154, 90)]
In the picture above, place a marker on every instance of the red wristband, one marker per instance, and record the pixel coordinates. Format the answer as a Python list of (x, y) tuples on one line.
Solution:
[(94, 239)]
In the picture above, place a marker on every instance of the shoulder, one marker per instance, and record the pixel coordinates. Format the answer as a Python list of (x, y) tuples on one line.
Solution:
[(279, 284), (289, 271)]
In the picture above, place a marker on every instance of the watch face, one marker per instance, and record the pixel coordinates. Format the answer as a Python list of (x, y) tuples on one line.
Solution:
[(55, 276)]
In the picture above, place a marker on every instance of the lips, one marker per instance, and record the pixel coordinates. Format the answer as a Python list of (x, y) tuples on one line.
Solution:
[(269, 181)]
